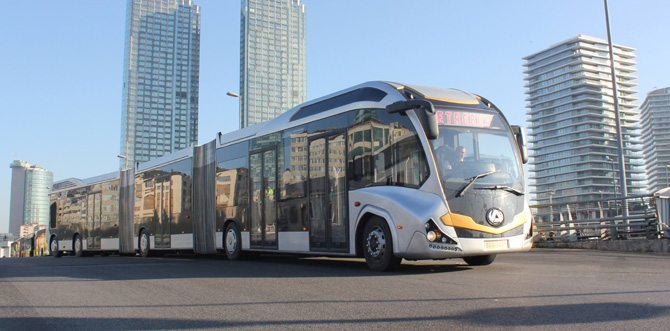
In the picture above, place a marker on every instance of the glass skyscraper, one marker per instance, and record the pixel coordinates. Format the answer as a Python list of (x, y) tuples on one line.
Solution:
[(571, 126), (272, 59), (160, 79), (29, 195), (656, 138)]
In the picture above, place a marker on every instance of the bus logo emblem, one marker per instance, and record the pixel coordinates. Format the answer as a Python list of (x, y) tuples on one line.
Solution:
[(495, 217)]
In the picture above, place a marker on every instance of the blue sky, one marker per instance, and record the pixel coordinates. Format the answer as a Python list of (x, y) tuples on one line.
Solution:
[(61, 62)]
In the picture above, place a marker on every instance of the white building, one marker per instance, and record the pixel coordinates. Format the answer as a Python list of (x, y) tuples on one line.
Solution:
[(571, 122), (161, 78), (656, 137), (29, 200), (272, 59)]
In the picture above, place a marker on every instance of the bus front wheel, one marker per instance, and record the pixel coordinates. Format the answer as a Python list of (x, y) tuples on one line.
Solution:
[(480, 260), (378, 246)]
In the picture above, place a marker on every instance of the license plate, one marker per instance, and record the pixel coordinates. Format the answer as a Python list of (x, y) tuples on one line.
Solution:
[(496, 244)]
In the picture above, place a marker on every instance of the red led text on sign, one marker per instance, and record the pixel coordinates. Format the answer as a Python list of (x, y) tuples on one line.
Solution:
[(464, 119)]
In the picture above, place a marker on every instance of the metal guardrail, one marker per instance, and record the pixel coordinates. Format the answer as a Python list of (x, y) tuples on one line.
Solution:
[(602, 219)]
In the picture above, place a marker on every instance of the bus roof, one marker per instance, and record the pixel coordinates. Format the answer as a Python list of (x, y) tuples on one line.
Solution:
[(70, 183), (337, 102)]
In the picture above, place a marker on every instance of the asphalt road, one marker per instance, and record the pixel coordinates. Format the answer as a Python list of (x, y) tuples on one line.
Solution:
[(543, 289)]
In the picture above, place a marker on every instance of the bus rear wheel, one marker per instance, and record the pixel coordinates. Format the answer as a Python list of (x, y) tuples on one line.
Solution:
[(480, 260), (53, 246), (78, 248), (144, 244), (232, 243), (378, 246)]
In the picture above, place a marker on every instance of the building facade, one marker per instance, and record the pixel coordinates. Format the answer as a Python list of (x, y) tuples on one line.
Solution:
[(29, 200), (656, 138), (571, 122), (161, 78), (272, 59)]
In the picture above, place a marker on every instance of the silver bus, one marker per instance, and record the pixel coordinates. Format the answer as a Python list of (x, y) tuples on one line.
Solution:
[(382, 170)]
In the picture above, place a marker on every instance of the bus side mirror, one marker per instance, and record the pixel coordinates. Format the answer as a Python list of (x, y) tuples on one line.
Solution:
[(520, 135), (427, 117)]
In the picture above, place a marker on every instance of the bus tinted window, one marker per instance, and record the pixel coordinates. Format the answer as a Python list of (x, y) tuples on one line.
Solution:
[(53, 210), (385, 150), (293, 163), (360, 148), (232, 182), (363, 94)]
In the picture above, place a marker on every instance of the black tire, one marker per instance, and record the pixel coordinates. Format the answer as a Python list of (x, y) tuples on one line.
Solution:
[(232, 242), (53, 247), (77, 246), (144, 243), (378, 246), (480, 260)]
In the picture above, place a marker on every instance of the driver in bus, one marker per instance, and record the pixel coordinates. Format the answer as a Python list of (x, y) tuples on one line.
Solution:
[(459, 156)]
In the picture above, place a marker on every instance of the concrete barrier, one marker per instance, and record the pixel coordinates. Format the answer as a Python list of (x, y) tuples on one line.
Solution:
[(643, 246)]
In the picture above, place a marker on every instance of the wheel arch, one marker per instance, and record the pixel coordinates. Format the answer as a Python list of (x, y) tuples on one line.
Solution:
[(232, 220), (145, 229)]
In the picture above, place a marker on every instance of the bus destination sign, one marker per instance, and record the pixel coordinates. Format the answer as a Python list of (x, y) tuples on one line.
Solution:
[(464, 119)]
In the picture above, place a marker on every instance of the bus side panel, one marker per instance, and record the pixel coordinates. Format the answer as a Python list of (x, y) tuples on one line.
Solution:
[(143, 210), (163, 204), (408, 209), (232, 189), (180, 214)]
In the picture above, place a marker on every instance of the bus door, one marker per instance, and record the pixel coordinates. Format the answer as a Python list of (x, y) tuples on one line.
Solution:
[(93, 215), (328, 192), (163, 211), (263, 221)]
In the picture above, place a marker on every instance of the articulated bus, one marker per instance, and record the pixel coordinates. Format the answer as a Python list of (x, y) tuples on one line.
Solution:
[(30, 245), (383, 171)]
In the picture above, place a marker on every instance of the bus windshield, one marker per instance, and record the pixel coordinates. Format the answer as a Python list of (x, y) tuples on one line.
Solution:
[(476, 151)]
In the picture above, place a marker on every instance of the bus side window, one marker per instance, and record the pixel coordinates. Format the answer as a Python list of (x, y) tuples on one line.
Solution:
[(53, 212), (395, 142)]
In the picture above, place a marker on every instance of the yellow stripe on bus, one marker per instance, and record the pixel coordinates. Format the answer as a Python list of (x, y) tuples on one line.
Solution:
[(464, 102), (466, 222)]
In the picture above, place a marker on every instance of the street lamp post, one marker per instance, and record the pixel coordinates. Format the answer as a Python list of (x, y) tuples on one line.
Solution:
[(613, 175), (239, 107), (551, 204), (617, 118), (126, 160), (600, 203)]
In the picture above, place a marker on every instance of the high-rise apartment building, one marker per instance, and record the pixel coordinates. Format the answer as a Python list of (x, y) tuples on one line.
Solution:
[(29, 200), (571, 123), (656, 138), (272, 59), (160, 79)]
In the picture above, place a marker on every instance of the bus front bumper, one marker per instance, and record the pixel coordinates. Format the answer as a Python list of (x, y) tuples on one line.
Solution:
[(421, 249)]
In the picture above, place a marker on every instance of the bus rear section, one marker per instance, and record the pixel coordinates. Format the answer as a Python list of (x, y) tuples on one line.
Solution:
[(84, 216)]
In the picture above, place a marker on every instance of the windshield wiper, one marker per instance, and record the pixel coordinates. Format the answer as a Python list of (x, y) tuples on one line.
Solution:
[(506, 188), (472, 181)]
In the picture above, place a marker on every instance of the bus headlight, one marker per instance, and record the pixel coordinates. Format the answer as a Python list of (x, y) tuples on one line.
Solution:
[(433, 234)]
